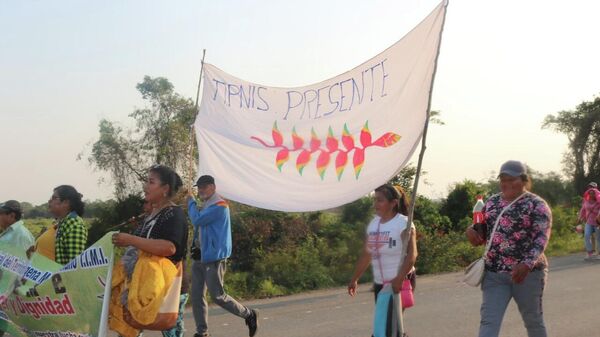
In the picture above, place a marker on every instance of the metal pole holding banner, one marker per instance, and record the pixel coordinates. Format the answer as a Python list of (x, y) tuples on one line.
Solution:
[(423, 145)]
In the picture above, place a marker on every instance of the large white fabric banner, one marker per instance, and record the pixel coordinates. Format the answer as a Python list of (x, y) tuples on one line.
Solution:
[(322, 145)]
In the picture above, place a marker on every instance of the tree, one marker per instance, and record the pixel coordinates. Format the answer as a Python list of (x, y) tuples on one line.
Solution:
[(162, 135), (405, 178), (552, 187), (582, 127), (460, 201), (111, 213), (428, 218)]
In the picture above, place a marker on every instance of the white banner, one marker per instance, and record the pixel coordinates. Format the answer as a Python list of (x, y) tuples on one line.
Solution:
[(322, 145)]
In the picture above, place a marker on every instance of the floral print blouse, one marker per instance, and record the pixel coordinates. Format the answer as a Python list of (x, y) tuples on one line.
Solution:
[(521, 235)]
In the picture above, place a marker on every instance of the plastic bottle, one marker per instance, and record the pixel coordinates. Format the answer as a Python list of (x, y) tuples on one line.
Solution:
[(478, 217)]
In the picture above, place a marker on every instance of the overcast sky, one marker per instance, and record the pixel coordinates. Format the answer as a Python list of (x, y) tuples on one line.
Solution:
[(504, 66)]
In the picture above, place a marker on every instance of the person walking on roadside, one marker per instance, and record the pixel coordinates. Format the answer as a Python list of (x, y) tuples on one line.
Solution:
[(386, 235), (590, 210), (518, 223), (211, 247)]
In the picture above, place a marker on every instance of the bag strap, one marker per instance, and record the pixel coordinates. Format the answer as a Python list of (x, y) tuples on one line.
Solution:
[(489, 243)]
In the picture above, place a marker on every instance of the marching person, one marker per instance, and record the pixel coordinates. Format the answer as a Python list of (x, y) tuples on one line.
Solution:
[(163, 232), (71, 233), (515, 264), (383, 248), (210, 249), (14, 230), (590, 210), (14, 233)]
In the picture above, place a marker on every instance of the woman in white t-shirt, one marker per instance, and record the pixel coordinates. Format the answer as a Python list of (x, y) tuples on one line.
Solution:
[(383, 246)]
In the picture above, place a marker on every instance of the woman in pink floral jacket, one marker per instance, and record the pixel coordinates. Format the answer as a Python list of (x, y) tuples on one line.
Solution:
[(515, 265), (590, 209)]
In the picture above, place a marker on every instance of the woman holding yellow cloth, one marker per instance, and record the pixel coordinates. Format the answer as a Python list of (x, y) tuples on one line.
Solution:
[(159, 244)]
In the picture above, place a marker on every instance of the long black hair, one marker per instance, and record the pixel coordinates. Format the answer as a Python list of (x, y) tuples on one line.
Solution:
[(167, 176), (69, 193), (392, 193)]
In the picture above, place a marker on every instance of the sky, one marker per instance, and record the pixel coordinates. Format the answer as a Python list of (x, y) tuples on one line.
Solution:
[(503, 67)]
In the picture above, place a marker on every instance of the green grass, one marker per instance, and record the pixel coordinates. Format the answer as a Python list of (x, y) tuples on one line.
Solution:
[(565, 244), (36, 225)]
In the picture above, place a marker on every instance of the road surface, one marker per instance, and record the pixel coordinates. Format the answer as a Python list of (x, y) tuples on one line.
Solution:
[(444, 307)]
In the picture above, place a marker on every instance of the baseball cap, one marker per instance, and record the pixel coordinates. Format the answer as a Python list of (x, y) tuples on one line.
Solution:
[(513, 168), (11, 206), (205, 180)]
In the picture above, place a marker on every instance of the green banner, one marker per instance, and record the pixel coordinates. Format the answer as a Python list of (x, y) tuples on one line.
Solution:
[(40, 298)]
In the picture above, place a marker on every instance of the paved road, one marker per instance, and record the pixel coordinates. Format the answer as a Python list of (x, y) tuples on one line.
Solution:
[(444, 307)]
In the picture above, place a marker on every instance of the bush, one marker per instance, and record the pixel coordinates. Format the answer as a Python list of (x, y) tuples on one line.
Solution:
[(444, 252), (113, 213), (267, 288), (295, 269), (460, 201), (358, 212), (236, 284)]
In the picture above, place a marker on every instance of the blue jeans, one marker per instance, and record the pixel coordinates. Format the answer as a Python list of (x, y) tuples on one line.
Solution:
[(498, 289), (587, 238), (178, 329)]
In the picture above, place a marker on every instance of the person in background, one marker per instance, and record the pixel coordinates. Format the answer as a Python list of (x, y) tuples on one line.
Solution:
[(590, 210), (212, 227), (66, 206), (14, 230), (13, 233), (515, 265)]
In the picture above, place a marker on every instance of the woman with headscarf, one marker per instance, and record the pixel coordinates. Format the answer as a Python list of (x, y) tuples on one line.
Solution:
[(590, 210)]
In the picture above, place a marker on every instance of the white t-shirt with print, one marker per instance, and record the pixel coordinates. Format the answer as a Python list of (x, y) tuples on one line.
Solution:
[(385, 246)]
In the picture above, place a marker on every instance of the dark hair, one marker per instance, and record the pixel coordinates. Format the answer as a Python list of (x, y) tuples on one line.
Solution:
[(167, 176), (17, 214), (12, 206), (392, 193), (69, 193)]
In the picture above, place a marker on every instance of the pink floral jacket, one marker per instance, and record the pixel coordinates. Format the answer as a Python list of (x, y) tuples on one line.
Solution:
[(522, 233)]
